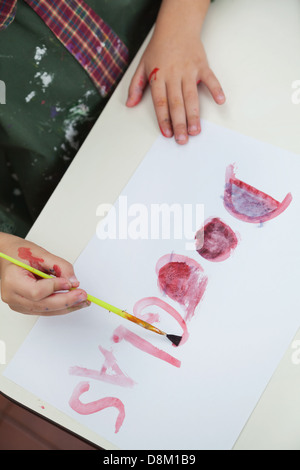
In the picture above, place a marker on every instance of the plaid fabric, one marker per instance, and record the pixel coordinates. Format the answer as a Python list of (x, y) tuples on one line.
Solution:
[(86, 36), (7, 12)]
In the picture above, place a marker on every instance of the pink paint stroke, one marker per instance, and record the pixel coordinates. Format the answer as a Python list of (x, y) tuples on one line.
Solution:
[(247, 203), (96, 406), (121, 333), (183, 280), (148, 301), (146, 316), (215, 241), (117, 378)]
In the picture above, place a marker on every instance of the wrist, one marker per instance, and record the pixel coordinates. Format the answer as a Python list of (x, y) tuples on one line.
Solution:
[(6, 242), (2, 248), (2, 241), (182, 16)]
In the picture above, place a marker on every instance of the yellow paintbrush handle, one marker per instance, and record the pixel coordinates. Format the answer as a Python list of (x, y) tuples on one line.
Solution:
[(26, 266), (90, 298), (105, 305), (124, 314)]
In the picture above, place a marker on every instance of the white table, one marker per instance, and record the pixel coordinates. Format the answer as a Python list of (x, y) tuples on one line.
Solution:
[(253, 47)]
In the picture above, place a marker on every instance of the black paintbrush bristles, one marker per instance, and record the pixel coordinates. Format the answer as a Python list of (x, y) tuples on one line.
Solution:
[(174, 339)]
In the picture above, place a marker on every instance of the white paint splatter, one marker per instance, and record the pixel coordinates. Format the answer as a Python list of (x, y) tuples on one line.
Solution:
[(17, 192), (30, 96), (70, 134), (79, 110), (89, 93), (39, 53), (77, 114), (45, 78)]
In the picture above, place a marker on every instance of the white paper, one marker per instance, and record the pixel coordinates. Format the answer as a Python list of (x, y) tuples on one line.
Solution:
[(241, 327)]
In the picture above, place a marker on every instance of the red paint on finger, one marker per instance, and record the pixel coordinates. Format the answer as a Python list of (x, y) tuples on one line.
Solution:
[(152, 75), (25, 254), (57, 270), (166, 132), (142, 83), (29, 274)]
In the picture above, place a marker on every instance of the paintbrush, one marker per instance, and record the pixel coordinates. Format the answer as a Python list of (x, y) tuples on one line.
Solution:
[(173, 338)]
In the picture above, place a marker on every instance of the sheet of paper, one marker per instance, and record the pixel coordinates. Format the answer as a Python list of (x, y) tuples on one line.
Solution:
[(238, 309)]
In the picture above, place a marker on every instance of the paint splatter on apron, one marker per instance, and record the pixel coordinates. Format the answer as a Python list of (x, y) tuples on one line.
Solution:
[(53, 100)]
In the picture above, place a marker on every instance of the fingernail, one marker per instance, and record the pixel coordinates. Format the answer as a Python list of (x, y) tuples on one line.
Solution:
[(74, 281), (134, 99), (166, 132), (193, 128), (221, 96), (181, 138), (81, 298)]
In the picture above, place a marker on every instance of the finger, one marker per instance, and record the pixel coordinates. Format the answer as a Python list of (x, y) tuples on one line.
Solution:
[(177, 112), (210, 80), (137, 86), (52, 304), (21, 283), (191, 102), (44, 261), (59, 267), (160, 102), (35, 290), (64, 311), (68, 310)]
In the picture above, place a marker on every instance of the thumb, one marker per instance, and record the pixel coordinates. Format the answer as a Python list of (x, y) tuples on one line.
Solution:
[(137, 86), (65, 270)]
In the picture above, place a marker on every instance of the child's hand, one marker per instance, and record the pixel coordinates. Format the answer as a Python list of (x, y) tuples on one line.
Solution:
[(174, 63), (25, 293)]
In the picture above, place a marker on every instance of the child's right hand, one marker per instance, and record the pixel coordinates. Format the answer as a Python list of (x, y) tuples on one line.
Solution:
[(25, 293), (174, 62)]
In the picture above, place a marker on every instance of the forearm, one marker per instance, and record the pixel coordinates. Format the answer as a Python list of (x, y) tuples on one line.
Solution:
[(176, 16)]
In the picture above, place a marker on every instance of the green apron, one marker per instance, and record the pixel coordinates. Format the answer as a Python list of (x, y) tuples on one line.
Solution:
[(51, 104)]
